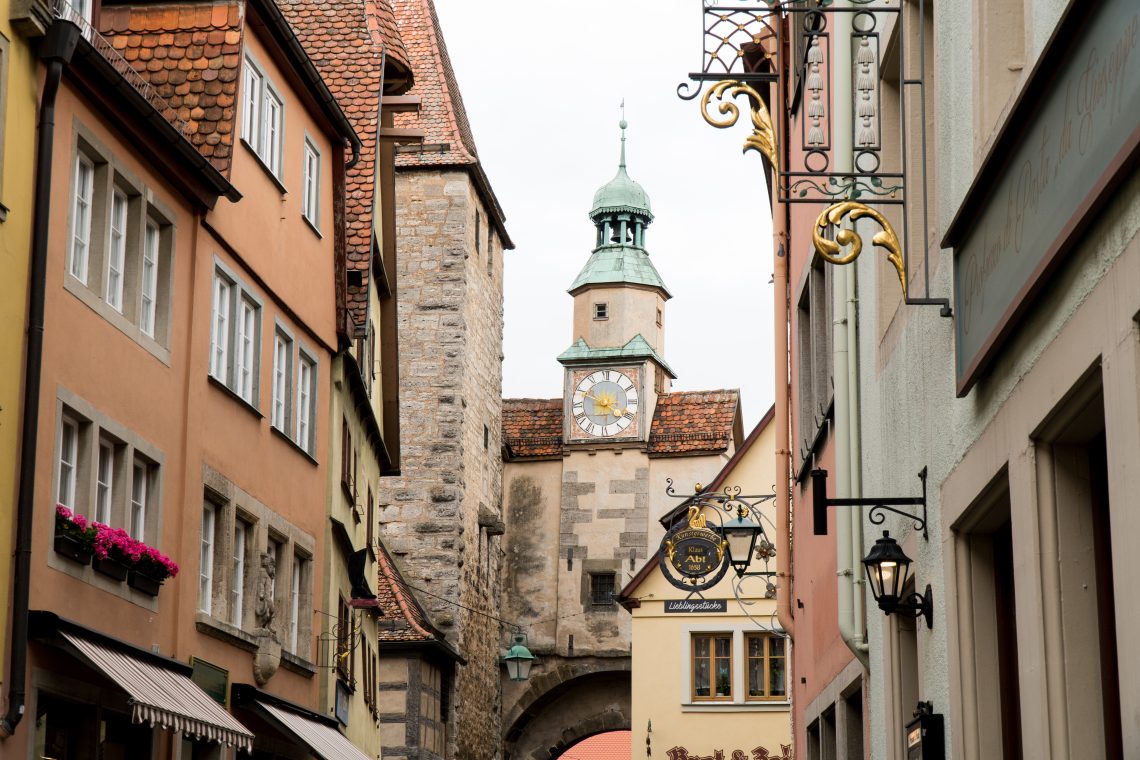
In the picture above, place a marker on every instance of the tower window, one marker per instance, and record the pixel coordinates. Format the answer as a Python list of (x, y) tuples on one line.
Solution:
[(601, 311), (658, 317), (602, 589)]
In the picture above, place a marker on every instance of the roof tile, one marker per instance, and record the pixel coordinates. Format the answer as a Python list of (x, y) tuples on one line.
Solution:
[(532, 427), (691, 422), (172, 45), (348, 42), (399, 604)]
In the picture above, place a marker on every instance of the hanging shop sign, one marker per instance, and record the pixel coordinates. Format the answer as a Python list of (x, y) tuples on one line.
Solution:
[(692, 554), (695, 606), (1068, 142), (757, 753)]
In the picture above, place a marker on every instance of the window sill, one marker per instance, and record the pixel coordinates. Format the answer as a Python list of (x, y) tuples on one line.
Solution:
[(313, 226), (296, 446), (116, 318), (297, 664), (230, 634), (759, 707), (261, 162), (234, 395)]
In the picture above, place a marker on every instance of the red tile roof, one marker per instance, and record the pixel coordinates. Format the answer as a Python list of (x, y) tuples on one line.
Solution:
[(693, 422), (403, 619), (442, 116), (191, 54), (532, 427), (347, 40)]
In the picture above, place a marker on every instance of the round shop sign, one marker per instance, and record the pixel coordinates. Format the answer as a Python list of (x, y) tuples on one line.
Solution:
[(691, 556)]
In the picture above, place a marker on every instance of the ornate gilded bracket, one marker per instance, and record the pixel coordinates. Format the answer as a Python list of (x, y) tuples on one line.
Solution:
[(831, 250), (763, 137)]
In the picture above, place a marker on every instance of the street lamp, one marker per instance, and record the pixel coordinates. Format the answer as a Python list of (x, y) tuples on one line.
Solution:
[(887, 569), (518, 659), (740, 534)]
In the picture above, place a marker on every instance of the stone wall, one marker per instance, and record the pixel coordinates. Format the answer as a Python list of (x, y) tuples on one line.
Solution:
[(435, 516)]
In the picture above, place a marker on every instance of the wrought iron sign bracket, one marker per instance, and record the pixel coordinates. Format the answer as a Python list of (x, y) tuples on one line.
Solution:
[(879, 506)]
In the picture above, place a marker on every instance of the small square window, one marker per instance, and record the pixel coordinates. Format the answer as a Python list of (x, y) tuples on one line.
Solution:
[(601, 311), (602, 589)]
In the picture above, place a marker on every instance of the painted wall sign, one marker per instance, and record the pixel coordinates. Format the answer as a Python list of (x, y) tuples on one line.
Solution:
[(696, 606), (692, 555), (1083, 116), (757, 753)]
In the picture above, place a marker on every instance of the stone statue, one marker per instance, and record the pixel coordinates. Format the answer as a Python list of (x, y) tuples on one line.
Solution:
[(266, 609)]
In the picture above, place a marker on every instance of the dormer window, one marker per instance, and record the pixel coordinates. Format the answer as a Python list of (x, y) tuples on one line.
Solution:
[(601, 311)]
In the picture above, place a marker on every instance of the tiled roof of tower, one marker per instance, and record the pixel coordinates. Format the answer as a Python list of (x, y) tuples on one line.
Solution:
[(408, 621), (693, 422), (347, 40), (532, 427), (448, 140), (191, 55), (442, 116)]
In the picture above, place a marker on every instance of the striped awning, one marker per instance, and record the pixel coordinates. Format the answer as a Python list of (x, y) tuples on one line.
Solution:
[(325, 741), (164, 698)]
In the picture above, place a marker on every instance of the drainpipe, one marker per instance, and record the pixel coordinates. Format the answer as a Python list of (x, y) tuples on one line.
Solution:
[(855, 514), (56, 50), (846, 381)]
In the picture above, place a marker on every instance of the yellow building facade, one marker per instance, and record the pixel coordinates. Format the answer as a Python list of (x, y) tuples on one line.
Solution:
[(710, 680), (18, 98)]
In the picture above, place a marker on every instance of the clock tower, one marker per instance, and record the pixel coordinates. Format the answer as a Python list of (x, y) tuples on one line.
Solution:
[(614, 369)]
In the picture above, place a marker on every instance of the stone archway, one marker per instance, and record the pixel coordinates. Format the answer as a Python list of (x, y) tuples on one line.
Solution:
[(573, 701)]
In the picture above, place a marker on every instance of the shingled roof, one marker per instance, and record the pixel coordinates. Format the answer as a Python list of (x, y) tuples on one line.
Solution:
[(685, 423), (191, 55), (405, 618), (448, 140), (357, 48), (693, 422), (532, 427)]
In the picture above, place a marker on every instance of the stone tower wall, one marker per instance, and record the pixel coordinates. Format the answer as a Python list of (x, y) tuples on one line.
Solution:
[(451, 329)]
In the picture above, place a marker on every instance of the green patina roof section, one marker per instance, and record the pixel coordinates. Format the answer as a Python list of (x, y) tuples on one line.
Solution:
[(621, 194), (615, 264), (637, 348)]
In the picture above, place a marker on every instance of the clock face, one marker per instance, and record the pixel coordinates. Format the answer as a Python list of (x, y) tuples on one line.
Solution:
[(605, 403)]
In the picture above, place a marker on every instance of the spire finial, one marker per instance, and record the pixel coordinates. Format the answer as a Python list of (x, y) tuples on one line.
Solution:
[(623, 124)]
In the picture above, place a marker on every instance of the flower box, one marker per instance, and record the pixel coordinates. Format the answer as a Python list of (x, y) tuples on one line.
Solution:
[(144, 583), (72, 548), (112, 568), (111, 551)]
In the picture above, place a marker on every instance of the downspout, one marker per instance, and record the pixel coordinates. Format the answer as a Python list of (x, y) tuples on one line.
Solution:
[(782, 322), (842, 284), (855, 514), (56, 49)]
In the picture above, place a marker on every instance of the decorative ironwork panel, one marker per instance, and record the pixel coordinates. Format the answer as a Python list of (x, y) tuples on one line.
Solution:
[(780, 55)]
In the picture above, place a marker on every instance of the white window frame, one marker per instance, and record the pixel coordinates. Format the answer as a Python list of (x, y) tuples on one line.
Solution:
[(117, 250), (282, 380), (306, 400), (148, 285), (311, 187), (245, 348), (67, 467), (263, 116), (206, 558), (219, 327), (237, 582), (295, 602), (81, 217), (104, 482), (140, 493)]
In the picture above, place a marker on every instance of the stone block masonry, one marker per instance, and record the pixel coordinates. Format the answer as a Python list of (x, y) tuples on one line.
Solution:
[(450, 296)]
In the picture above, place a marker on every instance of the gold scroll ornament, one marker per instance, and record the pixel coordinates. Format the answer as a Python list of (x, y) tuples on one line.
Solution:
[(831, 250), (763, 137)]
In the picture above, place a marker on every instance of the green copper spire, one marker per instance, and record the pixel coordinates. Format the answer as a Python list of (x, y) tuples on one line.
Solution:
[(621, 212)]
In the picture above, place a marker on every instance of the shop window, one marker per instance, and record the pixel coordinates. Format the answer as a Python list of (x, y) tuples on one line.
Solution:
[(712, 667), (853, 723), (68, 730), (765, 667)]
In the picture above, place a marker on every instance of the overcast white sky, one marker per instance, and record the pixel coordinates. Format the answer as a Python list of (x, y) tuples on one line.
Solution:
[(542, 82)]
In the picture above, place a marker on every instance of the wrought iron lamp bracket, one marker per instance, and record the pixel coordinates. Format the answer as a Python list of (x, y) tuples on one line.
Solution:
[(879, 506)]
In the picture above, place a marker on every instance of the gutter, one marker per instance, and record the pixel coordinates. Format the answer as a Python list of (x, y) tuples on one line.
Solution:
[(56, 50)]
